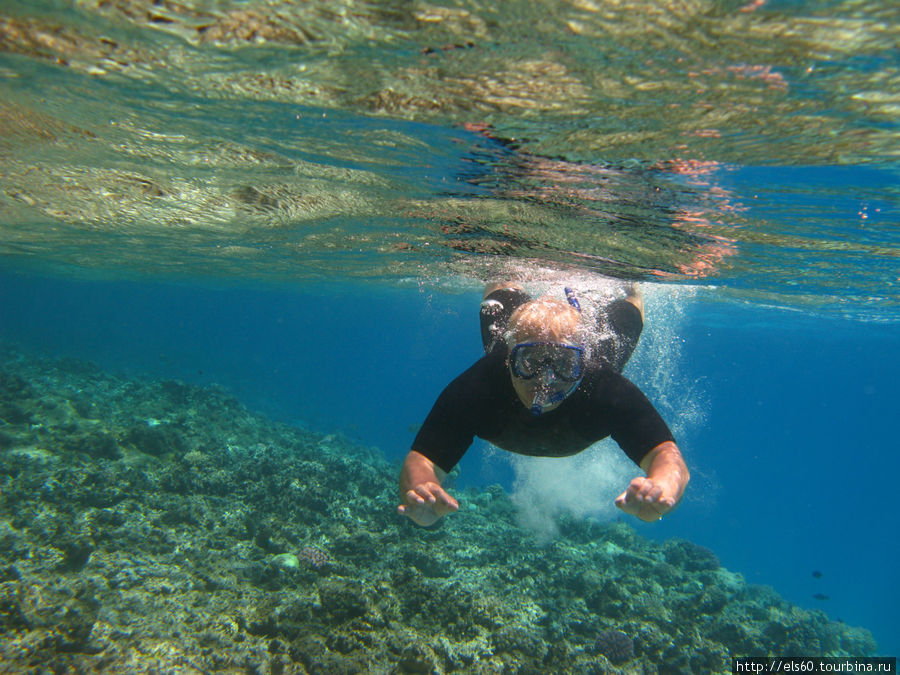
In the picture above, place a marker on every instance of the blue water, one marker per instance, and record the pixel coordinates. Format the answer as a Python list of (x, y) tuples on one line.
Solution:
[(792, 459), (306, 217)]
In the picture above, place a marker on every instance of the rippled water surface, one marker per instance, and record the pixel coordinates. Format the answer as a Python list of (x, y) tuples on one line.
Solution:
[(287, 160), (751, 146)]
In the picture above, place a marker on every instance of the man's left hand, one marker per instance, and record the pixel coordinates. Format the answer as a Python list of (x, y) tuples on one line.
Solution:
[(646, 499), (651, 497)]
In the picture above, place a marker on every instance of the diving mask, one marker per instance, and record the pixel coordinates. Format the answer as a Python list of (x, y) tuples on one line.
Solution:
[(559, 366), (529, 359)]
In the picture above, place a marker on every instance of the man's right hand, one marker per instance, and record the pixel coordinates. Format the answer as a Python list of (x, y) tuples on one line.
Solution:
[(422, 498), (426, 503)]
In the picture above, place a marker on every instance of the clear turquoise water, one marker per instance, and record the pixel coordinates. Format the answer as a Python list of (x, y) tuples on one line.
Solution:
[(305, 213)]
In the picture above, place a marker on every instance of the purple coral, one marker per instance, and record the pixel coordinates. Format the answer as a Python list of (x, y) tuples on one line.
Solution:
[(615, 646), (314, 557)]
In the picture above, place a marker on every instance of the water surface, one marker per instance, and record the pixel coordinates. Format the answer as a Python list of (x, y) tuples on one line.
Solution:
[(230, 191)]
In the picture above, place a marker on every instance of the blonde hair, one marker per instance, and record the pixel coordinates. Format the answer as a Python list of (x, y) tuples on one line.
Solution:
[(545, 320)]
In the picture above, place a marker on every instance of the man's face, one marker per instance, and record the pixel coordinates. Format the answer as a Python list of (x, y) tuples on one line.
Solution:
[(545, 360), (544, 373)]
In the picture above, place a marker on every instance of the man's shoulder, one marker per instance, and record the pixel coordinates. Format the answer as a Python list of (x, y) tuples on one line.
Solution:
[(609, 387), (606, 376), (486, 374)]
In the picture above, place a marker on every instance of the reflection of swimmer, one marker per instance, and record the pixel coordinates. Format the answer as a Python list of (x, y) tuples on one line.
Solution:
[(678, 221), (547, 386)]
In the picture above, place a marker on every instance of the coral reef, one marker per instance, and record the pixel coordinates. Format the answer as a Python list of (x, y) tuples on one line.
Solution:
[(162, 527), (615, 646)]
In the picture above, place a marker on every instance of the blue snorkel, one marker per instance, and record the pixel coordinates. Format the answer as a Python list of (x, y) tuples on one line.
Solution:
[(571, 299), (537, 408)]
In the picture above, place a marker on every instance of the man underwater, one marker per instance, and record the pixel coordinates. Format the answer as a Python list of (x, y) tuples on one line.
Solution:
[(549, 385)]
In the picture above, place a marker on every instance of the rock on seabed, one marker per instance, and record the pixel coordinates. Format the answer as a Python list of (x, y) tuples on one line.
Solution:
[(144, 527)]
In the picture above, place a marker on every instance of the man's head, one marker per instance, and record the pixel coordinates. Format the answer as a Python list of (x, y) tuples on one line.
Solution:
[(545, 342)]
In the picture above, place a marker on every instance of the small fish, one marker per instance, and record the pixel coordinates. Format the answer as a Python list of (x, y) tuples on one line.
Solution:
[(820, 596), (817, 574)]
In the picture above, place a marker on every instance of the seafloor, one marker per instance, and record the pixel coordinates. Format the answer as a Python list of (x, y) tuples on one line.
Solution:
[(155, 526)]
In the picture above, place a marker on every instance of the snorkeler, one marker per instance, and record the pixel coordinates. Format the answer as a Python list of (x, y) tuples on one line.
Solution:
[(549, 385)]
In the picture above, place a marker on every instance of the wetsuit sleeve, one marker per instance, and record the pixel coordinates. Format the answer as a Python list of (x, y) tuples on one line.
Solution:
[(622, 320), (450, 427), (496, 309), (638, 426)]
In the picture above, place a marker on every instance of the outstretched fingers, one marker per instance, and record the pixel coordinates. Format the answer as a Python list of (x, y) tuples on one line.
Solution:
[(426, 503), (645, 499), (431, 493)]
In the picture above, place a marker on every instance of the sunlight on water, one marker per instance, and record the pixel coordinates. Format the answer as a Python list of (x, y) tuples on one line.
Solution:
[(381, 140), (301, 201)]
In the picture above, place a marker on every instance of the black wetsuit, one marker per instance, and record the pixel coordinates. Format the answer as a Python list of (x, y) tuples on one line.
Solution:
[(482, 402)]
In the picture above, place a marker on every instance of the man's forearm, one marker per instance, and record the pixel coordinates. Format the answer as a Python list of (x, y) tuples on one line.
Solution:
[(664, 465), (418, 469), (422, 498)]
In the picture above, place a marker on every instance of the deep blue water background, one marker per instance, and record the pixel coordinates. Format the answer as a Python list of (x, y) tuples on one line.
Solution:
[(793, 469)]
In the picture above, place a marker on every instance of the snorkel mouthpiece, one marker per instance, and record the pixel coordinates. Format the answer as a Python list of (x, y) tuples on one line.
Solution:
[(539, 403), (542, 395), (545, 398)]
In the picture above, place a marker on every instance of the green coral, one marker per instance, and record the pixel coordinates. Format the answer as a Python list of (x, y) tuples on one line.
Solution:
[(175, 550)]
